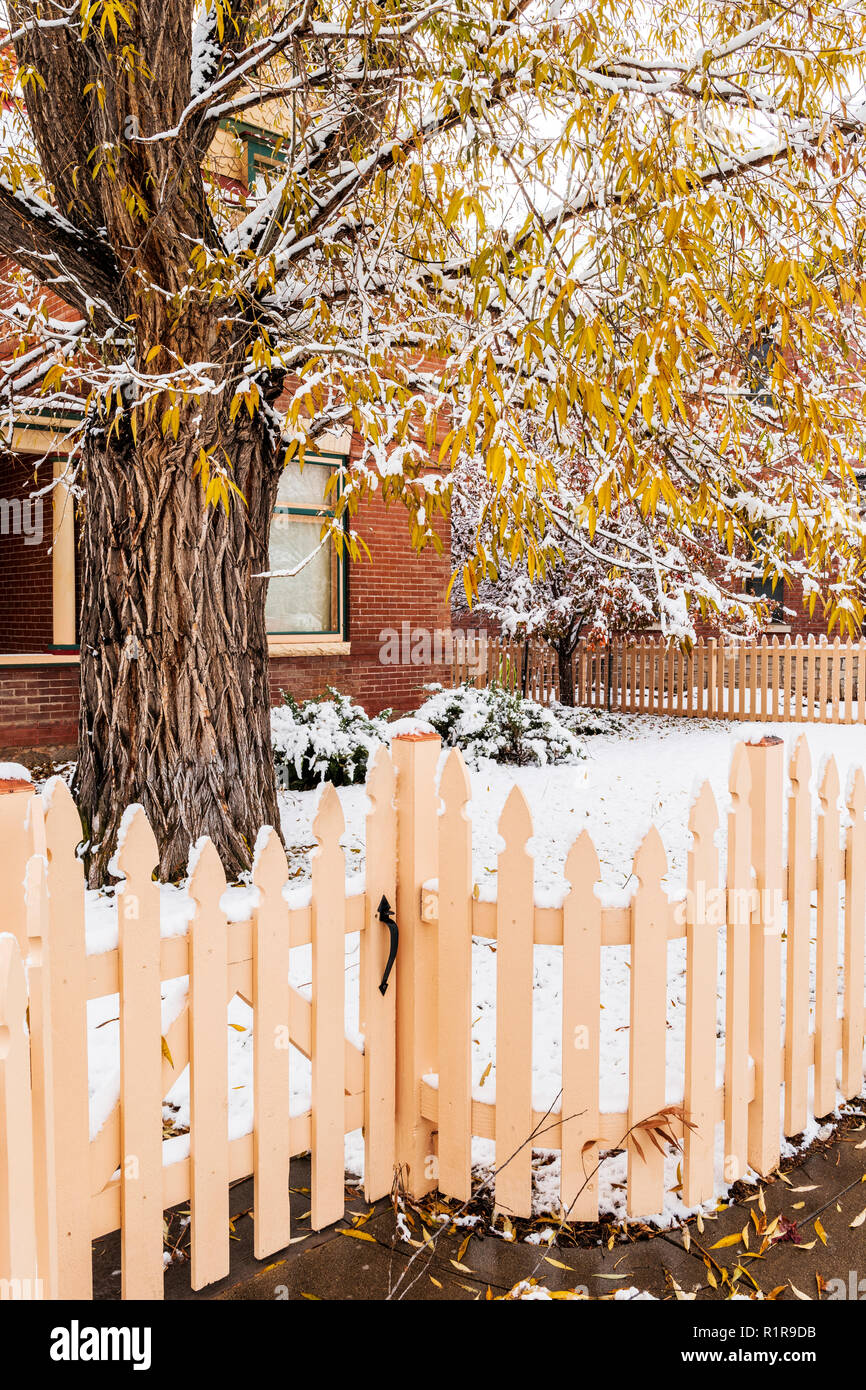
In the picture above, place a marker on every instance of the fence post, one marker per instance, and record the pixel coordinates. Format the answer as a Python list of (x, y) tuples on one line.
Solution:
[(766, 765), (415, 759), (16, 837)]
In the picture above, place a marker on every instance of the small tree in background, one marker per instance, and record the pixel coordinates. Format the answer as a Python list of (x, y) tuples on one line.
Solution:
[(586, 581)]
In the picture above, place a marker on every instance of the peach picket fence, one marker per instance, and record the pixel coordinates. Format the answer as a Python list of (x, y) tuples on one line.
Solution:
[(817, 682), (791, 1044)]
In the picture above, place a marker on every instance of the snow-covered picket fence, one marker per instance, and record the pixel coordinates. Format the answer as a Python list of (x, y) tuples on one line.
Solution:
[(769, 1042), (819, 682)]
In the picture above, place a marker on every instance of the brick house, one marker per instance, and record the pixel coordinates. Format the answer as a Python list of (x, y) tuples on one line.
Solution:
[(324, 625)]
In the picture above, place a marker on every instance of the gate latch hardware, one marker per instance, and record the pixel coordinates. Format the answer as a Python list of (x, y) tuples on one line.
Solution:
[(385, 914)]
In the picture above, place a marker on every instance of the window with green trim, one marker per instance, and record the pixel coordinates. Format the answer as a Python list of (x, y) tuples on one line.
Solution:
[(313, 601)]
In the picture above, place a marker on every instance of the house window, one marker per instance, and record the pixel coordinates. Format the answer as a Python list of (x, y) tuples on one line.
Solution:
[(773, 590), (310, 603)]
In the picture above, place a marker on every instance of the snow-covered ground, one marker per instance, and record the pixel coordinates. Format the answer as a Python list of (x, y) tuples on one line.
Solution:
[(648, 772)]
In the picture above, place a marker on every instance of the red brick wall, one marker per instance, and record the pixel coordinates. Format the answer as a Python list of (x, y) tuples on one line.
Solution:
[(26, 618), (38, 705)]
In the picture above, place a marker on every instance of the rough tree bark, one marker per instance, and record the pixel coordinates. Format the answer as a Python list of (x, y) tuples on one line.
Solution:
[(174, 663), (565, 669)]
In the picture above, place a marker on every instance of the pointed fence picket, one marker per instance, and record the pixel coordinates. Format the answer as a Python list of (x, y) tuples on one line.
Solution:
[(329, 1012), (378, 1012), (271, 1078), (208, 1082), (701, 991), (514, 962), (141, 1221), (827, 942), (648, 1024), (738, 925), (799, 934), (410, 1090), (17, 1200), (455, 966), (581, 1003)]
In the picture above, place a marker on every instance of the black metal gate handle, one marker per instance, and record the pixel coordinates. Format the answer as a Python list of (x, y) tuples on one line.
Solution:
[(385, 914)]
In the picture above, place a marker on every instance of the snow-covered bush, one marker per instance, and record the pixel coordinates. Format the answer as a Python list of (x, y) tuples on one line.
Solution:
[(585, 722), (497, 723), (327, 739)]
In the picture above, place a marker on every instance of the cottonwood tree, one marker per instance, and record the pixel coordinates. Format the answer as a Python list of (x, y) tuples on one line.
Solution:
[(588, 212)]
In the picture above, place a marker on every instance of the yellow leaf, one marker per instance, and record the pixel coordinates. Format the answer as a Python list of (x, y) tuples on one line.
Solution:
[(727, 1240), (457, 1265), (820, 1232), (165, 1052), (359, 1235)]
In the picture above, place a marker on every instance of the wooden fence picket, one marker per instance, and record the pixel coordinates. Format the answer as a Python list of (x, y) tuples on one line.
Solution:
[(787, 681), (17, 1199), (849, 681), (329, 1010), (271, 1050), (647, 1027), (703, 916), (514, 962), (16, 839), (65, 963), (39, 1007), (378, 1011), (455, 967), (208, 1068), (742, 667), (855, 935), (766, 760), (141, 1223), (581, 1003), (799, 932), (827, 947), (739, 913)]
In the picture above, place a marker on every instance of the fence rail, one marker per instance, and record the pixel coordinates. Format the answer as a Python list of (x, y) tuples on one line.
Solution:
[(815, 682), (409, 1085)]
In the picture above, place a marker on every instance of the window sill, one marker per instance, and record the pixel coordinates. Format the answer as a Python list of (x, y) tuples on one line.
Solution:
[(323, 646), (40, 659)]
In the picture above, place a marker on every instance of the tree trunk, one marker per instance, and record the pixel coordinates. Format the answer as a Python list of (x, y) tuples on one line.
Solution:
[(565, 668), (174, 663)]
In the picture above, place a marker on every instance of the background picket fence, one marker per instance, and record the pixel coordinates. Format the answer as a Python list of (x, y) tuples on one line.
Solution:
[(785, 1037), (816, 682)]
